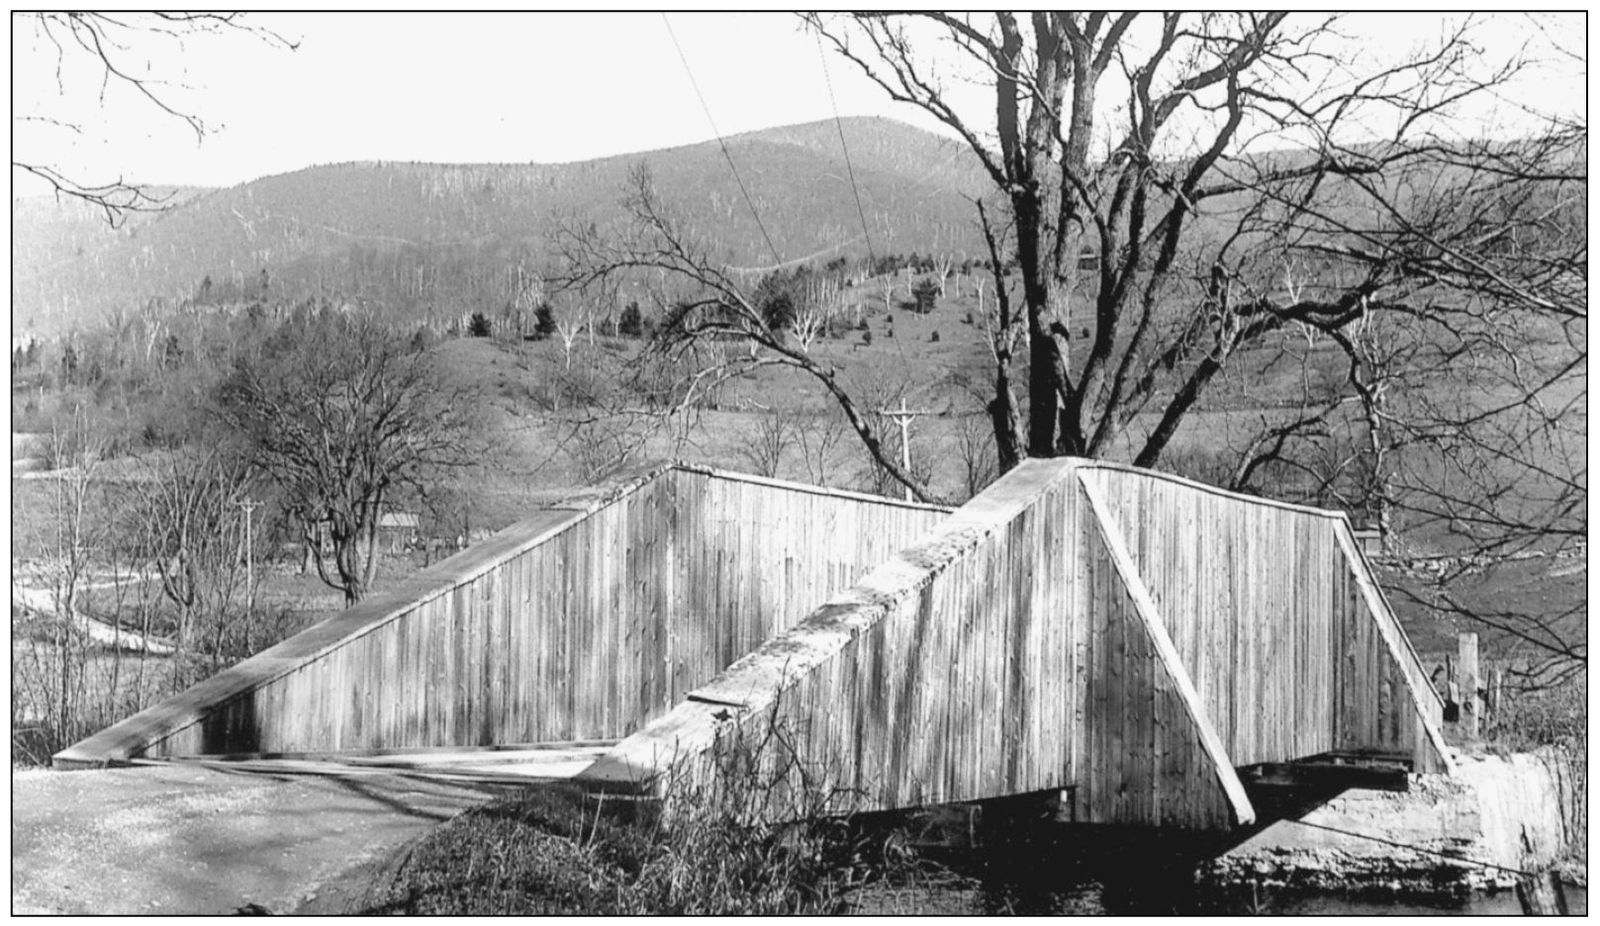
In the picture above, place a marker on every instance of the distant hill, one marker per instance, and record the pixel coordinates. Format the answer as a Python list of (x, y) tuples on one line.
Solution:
[(450, 237)]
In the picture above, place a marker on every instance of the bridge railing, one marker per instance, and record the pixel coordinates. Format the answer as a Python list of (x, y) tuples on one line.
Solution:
[(576, 624), (1277, 614), (1131, 653)]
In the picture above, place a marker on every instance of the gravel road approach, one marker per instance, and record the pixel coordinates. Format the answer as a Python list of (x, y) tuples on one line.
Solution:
[(186, 839)]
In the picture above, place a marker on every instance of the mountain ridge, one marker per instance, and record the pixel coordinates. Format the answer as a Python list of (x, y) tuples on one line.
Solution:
[(352, 229)]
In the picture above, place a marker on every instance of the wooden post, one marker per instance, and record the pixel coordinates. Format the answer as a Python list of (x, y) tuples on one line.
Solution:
[(1467, 653), (1452, 693), (1541, 895), (1497, 680)]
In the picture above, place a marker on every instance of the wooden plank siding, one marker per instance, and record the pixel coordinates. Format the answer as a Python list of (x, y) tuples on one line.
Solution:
[(1276, 615), (948, 675), (1132, 636), (1165, 759), (571, 625)]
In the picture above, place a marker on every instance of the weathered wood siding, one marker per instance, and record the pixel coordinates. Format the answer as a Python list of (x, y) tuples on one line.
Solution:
[(1277, 618), (1155, 756), (1127, 635), (1003, 655), (754, 557), (575, 625), (1384, 700)]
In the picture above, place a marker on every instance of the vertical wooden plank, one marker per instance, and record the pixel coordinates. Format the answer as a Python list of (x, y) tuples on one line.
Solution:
[(1098, 613), (1467, 671)]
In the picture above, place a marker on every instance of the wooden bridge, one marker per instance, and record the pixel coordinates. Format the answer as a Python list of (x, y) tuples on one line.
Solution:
[(1128, 640)]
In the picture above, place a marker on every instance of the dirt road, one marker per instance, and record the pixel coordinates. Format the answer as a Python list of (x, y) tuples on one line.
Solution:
[(184, 839)]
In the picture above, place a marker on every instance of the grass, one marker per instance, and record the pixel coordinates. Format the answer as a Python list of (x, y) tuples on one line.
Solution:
[(553, 852), (748, 832)]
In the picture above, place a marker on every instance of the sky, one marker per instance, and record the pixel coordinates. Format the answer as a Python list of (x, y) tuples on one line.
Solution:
[(494, 88)]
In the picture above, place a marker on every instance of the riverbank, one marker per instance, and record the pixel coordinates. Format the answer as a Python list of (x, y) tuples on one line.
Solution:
[(1474, 832), (1363, 852)]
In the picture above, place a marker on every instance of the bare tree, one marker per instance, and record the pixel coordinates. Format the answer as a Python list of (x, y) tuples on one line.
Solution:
[(59, 660), (708, 309), (118, 50), (978, 285), (776, 434), (887, 285), (192, 536), (570, 325), (818, 309), (347, 418), (975, 446), (602, 442), (819, 440), (1151, 245), (1189, 200), (942, 266)]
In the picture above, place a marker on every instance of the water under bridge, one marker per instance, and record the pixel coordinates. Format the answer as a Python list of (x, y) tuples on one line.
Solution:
[(1140, 646)]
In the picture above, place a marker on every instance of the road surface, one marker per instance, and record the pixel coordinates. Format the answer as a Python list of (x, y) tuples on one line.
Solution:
[(185, 839)]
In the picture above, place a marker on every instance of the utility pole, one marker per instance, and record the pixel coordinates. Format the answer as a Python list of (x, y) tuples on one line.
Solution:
[(249, 505), (903, 417)]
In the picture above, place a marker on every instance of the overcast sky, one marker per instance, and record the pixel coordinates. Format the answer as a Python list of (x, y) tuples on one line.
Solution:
[(493, 87)]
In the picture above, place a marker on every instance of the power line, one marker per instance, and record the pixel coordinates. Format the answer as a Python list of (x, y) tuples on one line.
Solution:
[(849, 168), (707, 110), (1414, 848)]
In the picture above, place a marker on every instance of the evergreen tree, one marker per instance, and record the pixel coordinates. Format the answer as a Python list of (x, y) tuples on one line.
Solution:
[(544, 321), (632, 324)]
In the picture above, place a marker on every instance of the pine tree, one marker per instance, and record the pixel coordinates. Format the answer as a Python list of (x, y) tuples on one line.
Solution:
[(544, 321), (632, 323)]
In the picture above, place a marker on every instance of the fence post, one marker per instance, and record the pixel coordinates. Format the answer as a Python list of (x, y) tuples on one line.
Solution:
[(1467, 653), (1541, 895), (1451, 694)]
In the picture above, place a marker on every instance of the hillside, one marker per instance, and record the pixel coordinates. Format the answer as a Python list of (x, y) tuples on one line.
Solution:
[(446, 236)]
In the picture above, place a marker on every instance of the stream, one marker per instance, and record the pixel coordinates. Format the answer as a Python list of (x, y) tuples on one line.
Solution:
[(1503, 903), (1128, 873), (1089, 898)]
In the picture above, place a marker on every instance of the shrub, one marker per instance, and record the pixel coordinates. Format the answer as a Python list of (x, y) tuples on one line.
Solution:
[(709, 847), (933, 338), (478, 325)]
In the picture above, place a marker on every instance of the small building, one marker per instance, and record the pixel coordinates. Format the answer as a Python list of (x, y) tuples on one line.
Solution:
[(1370, 540), (397, 531)]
